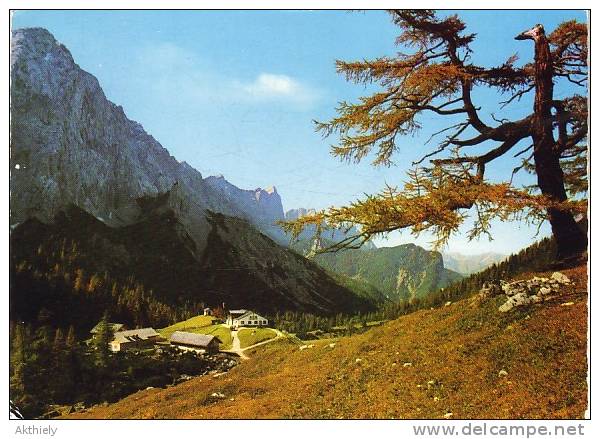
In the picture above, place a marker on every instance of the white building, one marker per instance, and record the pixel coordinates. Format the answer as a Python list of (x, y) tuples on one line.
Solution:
[(244, 317)]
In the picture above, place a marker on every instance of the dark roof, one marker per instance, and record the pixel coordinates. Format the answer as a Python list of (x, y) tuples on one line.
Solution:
[(135, 335), (113, 326), (191, 339)]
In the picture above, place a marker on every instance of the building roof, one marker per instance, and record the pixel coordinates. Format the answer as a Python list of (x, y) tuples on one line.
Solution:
[(114, 327), (238, 311), (189, 338), (249, 312), (135, 335)]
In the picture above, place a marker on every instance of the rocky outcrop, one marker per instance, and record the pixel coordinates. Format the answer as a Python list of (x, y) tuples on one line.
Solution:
[(525, 292)]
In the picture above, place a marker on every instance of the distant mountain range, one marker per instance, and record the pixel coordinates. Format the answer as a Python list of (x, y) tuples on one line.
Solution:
[(82, 173), (468, 264), (403, 272)]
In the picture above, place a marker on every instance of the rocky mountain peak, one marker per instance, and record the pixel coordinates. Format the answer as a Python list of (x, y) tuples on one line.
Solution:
[(293, 214), (38, 42), (70, 144)]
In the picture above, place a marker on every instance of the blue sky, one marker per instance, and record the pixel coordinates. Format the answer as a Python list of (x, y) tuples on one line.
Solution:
[(235, 92)]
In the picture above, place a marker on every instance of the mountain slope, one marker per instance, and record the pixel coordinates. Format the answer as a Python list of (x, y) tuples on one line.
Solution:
[(401, 273), (155, 258), (436, 363)]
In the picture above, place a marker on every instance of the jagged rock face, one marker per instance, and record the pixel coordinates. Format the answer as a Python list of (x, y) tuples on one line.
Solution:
[(261, 206), (333, 235), (69, 144)]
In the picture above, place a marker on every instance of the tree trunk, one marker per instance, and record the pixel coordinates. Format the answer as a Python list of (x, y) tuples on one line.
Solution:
[(571, 241)]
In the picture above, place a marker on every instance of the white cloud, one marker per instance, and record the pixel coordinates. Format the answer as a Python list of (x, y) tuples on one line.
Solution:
[(269, 86), (169, 70)]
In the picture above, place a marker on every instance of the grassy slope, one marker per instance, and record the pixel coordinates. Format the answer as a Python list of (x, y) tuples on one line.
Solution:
[(222, 332), (189, 325), (200, 325), (458, 350), (248, 336)]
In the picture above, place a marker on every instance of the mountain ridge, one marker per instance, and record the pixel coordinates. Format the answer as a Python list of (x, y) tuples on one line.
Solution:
[(403, 272), (63, 123)]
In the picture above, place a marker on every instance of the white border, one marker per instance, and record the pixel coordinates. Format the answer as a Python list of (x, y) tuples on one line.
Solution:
[(168, 429)]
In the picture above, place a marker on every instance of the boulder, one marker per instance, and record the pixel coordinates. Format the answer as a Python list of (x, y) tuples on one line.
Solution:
[(561, 278), (518, 299)]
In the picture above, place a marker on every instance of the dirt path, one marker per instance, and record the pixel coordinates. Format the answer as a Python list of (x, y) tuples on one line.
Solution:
[(237, 349)]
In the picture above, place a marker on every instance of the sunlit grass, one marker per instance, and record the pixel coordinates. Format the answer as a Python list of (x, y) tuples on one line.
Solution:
[(195, 324), (250, 336), (466, 359)]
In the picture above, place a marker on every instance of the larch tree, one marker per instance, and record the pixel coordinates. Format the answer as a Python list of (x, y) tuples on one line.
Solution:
[(448, 184)]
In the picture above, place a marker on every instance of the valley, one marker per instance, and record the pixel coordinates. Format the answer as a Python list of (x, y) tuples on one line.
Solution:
[(139, 220), (142, 288)]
